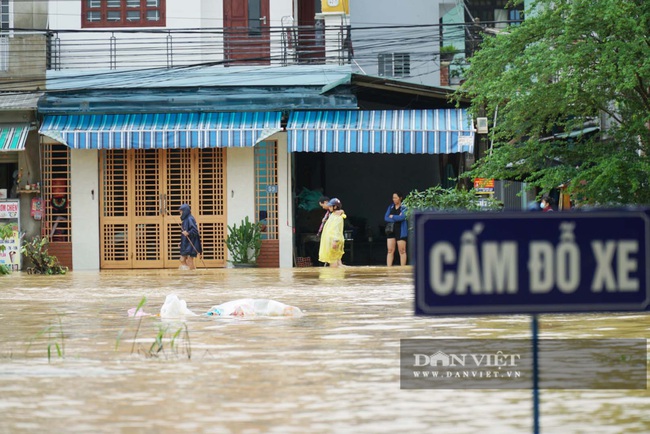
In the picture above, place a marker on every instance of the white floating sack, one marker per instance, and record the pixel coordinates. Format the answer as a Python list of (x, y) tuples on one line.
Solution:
[(175, 308), (254, 306)]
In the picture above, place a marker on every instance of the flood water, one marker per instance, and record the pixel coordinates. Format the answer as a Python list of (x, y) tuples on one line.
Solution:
[(334, 370)]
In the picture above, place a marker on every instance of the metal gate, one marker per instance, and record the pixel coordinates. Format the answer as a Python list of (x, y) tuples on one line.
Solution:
[(141, 191)]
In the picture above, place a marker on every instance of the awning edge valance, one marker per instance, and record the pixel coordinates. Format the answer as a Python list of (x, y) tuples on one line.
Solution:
[(441, 131), (161, 130)]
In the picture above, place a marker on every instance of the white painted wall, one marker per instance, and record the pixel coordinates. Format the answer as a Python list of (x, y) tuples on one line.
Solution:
[(211, 13), (285, 202), (84, 203), (421, 44), (179, 14), (279, 9), (240, 185), (139, 51)]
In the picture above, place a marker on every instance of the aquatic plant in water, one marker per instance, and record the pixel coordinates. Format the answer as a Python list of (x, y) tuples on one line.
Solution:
[(55, 340), (178, 342)]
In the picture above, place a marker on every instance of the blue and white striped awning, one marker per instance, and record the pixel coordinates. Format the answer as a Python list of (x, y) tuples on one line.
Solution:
[(13, 138), (381, 131), (161, 130)]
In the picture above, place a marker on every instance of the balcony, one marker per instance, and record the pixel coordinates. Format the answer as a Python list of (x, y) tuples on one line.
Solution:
[(167, 48)]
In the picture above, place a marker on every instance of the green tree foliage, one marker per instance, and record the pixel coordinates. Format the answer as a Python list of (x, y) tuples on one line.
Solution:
[(448, 199), (569, 62)]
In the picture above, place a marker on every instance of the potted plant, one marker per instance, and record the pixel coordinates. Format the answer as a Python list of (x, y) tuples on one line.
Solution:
[(35, 251), (447, 53), (457, 70), (244, 243)]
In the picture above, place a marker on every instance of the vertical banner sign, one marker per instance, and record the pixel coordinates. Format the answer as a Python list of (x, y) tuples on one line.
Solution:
[(502, 263), (9, 214), (37, 208)]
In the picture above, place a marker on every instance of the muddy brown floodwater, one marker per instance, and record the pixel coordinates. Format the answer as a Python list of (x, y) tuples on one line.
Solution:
[(334, 370)]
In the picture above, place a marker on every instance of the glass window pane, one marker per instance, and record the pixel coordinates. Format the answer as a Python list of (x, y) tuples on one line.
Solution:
[(4, 21), (133, 16), (254, 15), (153, 3), (132, 3), (94, 4), (254, 10), (113, 3), (93, 17), (113, 16), (153, 16)]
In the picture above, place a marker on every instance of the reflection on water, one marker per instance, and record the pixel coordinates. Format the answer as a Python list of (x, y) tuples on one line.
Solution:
[(334, 370)]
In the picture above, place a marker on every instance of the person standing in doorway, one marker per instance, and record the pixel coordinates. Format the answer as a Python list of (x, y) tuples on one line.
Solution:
[(324, 203), (396, 229), (190, 245), (332, 241)]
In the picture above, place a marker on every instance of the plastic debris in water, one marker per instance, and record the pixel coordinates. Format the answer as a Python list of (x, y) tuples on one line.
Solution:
[(213, 312), (175, 308), (253, 307), (133, 313)]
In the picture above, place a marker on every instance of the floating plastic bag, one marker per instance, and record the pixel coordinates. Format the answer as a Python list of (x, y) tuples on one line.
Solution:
[(133, 313), (175, 308), (252, 307)]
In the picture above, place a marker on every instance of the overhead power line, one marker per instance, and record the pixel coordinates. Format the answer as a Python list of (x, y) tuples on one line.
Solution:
[(137, 49)]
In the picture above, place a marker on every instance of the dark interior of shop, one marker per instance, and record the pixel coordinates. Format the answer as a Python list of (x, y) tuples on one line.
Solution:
[(7, 179), (365, 184)]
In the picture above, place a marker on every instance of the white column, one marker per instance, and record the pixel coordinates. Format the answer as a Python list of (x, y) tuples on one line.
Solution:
[(84, 207)]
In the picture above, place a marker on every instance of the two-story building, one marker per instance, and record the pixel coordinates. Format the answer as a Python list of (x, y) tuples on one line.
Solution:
[(22, 79), (233, 107)]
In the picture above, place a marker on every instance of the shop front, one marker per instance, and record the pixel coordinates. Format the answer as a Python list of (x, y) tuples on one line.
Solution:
[(128, 175), (20, 181), (362, 157)]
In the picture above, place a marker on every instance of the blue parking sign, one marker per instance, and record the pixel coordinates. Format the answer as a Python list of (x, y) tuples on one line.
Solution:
[(504, 263)]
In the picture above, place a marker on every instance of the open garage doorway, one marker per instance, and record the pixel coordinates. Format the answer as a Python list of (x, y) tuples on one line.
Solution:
[(364, 183)]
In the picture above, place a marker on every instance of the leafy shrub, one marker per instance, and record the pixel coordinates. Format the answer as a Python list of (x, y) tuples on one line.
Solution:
[(244, 242), (452, 199), (36, 252)]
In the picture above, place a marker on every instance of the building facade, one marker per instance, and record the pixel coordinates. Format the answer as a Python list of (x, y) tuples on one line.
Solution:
[(233, 107)]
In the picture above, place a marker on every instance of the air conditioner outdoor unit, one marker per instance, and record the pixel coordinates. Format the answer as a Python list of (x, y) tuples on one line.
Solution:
[(482, 125)]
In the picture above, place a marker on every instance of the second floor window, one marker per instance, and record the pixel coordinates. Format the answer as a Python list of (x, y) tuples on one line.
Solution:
[(5, 15), (5, 24), (123, 13), (394, 64)]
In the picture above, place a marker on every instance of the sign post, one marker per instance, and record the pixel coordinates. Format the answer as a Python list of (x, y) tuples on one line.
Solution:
[(514, 263), (534, 329)]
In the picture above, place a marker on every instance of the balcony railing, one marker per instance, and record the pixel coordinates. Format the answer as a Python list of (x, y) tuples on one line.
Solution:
[(134, 49)]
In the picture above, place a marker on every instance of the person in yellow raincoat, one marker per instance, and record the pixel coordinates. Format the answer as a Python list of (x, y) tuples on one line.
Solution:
[(332, 241)]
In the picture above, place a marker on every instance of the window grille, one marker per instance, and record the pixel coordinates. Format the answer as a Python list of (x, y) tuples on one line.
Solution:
[(55, 190), (6, 23), (123, 13), (394, 64), (266, 188)]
